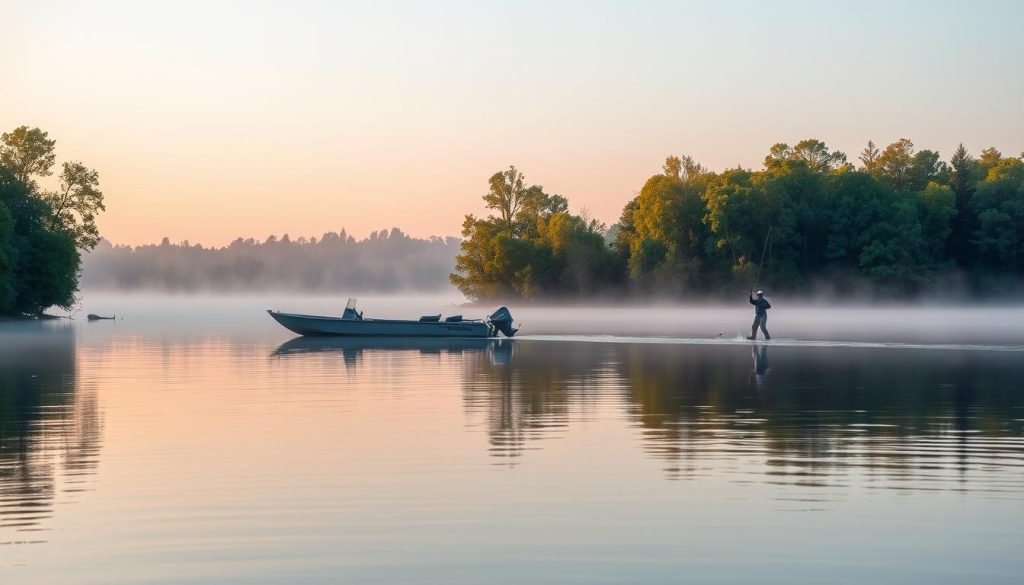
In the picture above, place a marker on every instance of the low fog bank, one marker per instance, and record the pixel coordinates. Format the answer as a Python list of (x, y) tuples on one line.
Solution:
[(939, 324), (391, 262), (222, 314), (385, 262)]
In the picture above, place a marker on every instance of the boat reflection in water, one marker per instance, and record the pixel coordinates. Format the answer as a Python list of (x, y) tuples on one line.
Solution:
[(352, 348)]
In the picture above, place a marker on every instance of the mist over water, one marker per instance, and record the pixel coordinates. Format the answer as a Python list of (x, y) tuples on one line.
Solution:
[(910, 324), (802, 320), (194, 439)]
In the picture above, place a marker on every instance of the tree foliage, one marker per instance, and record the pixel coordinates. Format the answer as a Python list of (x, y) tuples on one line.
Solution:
[(76, 203), (27, 153), (530, 246), (902, 221), (42, 232)]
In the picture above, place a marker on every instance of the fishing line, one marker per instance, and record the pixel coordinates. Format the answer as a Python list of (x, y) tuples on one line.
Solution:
[(761, 263)]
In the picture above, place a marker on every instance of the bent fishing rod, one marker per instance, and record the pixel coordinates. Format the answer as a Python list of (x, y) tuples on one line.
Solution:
[(764, 249)]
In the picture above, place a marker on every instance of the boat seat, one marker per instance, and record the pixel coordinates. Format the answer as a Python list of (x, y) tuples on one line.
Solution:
[(453, 319), (430, 318)]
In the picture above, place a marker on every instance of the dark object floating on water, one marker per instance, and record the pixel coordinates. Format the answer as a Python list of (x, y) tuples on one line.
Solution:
[(95, 317), (352, 324)]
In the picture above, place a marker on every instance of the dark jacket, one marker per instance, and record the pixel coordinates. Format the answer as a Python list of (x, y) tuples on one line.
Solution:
[(761, 306)]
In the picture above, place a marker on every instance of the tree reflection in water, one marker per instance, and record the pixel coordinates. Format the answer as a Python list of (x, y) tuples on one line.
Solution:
[(814, 417), (50, 428), (528, 391)]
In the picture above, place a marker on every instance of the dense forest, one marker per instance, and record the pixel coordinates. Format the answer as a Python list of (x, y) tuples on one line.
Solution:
[(901, 222), (386, 261), (42, 232)]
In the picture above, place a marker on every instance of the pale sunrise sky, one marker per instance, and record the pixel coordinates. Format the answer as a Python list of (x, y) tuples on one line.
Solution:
[(213, 120)]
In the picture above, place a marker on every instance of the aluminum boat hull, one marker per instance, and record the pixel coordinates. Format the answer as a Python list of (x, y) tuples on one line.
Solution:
[(335, 326)]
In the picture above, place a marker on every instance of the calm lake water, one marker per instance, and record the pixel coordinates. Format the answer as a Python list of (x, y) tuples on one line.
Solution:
[(195, 440)]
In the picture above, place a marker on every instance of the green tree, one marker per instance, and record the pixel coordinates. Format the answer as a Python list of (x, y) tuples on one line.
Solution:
[(963, 176), (661, 230), (624, 230), (869, 158), (530, 246), (737, 216), (817, 156), (878, 231), (988, 160), (75, 205), (515, 202), (41, 265), (673, 167), (796, 183), (41, 233), (999, 203), (926, 167), (7, 261), (936, 206), (48, 271), (582, 261), (793, 193), (26, 153), (895, 165)]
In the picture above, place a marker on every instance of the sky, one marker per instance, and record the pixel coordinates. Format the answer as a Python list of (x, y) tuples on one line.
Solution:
[(209, 121)]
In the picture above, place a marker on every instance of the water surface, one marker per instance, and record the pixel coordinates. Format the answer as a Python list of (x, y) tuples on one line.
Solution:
[(197, 441)]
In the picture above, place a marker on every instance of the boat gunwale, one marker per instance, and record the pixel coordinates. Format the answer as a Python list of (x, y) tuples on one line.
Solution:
[(372, 320)]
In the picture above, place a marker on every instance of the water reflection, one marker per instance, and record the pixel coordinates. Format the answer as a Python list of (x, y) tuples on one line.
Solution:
[(759, 351), (353, 348), (230, 457), (901, 419), (530, 394), (50, 429)]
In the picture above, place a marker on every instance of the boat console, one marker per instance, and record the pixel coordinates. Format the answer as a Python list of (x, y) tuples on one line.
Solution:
[(351, 314)]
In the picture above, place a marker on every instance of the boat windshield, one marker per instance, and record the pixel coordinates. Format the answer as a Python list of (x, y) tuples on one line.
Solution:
[(350, 311)]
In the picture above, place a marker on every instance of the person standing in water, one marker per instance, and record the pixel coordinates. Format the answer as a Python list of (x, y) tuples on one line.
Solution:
[(761, 306)]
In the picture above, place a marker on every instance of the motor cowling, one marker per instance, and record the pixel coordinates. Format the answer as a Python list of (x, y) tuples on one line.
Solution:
[(502, 321)]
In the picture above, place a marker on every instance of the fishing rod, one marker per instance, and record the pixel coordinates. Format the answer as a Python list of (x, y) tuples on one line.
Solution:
[(761, 263)]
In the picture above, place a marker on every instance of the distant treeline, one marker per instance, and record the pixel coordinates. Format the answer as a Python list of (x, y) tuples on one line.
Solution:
[(900, 223), (386, 261)]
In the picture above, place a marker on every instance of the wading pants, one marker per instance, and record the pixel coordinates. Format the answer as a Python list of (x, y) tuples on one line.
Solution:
[(760, 321)]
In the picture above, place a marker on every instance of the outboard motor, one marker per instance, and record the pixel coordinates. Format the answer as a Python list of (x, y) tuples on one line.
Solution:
[(502, 321)]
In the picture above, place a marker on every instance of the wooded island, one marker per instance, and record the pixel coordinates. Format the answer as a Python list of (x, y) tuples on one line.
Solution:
[(900, 222)]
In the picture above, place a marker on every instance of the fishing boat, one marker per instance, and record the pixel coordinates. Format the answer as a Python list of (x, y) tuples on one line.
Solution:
[(353, 324)]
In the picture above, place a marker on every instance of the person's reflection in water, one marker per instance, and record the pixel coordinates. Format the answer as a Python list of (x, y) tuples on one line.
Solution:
[(760, 354)]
